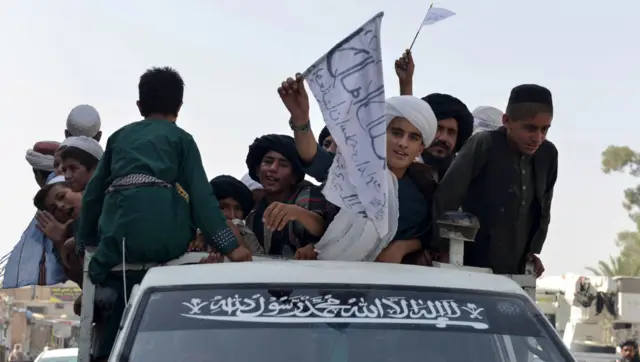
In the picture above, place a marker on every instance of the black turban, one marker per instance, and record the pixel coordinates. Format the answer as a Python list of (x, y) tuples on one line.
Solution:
[(446, 106), (323, 135), (283, 144), (531, 93), (225, 186)]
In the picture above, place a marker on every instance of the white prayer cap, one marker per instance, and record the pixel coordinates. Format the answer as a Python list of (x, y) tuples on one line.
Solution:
[(486, 118), (250, 183), (56, 180), (83, 120), (416, 111), (84, 143)]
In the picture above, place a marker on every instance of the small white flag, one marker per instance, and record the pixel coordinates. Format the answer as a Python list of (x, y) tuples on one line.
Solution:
[(435, 15)]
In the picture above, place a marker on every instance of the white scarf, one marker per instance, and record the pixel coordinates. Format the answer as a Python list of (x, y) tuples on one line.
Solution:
[(352, 237)]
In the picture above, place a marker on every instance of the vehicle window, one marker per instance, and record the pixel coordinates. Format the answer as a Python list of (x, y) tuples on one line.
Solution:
[(332, 324)]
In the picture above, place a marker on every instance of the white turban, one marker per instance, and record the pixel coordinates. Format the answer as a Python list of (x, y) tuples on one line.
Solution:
[(83, 120), (250, 183), (486, 118), (56, 180), (39, 161), (86, 144), (351, 237)]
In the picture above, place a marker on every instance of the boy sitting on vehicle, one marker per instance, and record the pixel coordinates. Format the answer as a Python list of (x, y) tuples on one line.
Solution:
[(147, 194)]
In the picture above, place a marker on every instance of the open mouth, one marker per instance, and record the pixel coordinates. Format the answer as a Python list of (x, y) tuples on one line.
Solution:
[(400, 153), (70, 212), (271, 180)]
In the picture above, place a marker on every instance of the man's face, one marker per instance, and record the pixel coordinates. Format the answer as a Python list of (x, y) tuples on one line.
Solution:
[(528, 135), (63, 203), (404, 143), (627, 352), (275, 172), (231, 208), (75, 174), (446, 138), (329, 145)]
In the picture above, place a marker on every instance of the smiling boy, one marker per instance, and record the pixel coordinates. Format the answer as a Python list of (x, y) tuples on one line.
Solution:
[(78, 159), (506, 178)]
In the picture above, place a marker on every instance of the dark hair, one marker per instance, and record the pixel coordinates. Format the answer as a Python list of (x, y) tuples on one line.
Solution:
[(526, 111), (41, 174), (83, 157), (160, 91), (41, 195)]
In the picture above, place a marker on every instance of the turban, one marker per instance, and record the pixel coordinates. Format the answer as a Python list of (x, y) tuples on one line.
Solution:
[(351, 237), (87, 144), (486, 118), (323, 135), (83, 120), (225, 186), (446, 106), (283, 144), (40, 157)]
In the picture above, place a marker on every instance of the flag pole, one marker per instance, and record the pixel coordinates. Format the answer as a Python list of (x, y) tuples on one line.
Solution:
[(420, 28)]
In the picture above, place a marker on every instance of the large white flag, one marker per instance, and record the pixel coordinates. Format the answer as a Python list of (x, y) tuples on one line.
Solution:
[(435, 15), (348, 84)]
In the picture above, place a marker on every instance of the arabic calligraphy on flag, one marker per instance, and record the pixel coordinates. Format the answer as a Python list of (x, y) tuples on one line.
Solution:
[(348, 84)]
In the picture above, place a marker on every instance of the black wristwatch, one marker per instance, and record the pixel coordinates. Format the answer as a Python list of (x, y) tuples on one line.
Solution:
[(302, 128)]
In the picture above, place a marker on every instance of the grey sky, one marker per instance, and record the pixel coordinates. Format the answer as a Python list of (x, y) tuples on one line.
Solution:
[(233, 54)]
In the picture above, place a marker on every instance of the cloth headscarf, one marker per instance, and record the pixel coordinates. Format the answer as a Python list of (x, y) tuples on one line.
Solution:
[(352, 237), (86, 144), (225, 186), (283, 144), (252, 185), (486, 118), (323, 135), (446, 106), (40, 157), (83, 120)]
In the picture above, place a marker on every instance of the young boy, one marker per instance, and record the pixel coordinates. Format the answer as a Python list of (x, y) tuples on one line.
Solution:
[(148, 194), (506, 178), (79, 157)]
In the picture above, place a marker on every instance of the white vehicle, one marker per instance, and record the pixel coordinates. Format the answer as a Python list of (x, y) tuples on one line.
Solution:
[(330, 311), (284, 311), (58, 355)]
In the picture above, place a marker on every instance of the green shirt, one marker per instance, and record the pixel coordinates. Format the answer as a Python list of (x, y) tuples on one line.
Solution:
[(156, 223)]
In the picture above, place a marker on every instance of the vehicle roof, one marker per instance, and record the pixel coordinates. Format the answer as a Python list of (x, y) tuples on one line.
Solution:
[(326, 272), (63, 352)]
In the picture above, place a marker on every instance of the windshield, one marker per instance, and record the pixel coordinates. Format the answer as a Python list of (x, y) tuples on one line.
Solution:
[(333, 324)]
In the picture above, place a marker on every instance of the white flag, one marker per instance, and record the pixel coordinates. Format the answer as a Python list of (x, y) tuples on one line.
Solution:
[(348, 84), (435, 15)]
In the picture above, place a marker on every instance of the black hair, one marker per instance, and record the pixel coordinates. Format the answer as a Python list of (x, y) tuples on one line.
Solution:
[(160, 91), (629, 342), (528, 110), (41, 195), (41, 174), (83, 157)]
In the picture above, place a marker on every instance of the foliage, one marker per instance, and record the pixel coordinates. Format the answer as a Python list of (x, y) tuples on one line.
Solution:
[(627, 263)]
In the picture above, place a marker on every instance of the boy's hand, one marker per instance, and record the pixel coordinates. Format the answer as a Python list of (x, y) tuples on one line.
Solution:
[(306, 253), (295, 98), (51, 227), (240, 254), (405, 67), (278, 215)]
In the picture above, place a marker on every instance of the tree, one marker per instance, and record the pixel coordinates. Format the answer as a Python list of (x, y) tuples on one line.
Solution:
[(624, 160)]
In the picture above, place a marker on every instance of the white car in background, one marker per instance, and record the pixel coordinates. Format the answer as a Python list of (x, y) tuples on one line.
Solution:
[(58, 355)]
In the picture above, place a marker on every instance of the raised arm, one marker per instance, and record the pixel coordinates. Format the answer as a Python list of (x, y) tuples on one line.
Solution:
[(204, 205), (451, 191), (404, 70), (93, 198)]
